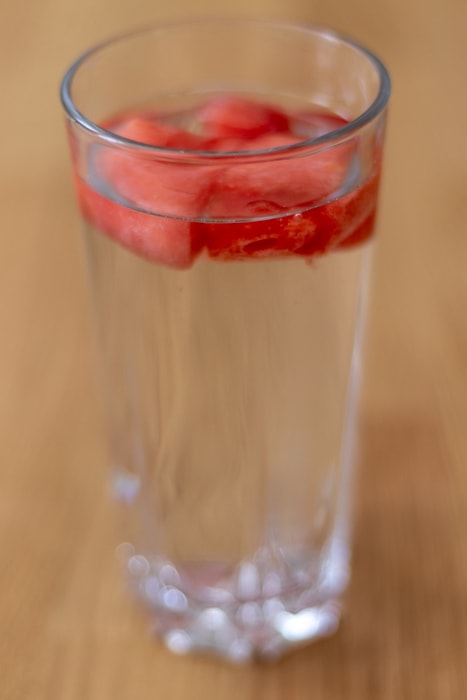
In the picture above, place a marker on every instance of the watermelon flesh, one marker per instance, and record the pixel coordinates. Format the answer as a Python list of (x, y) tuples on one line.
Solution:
[(171, 211)]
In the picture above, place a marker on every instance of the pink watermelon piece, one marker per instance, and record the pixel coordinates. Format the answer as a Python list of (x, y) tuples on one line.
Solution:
[(148, 183), (258, 189), (340, 223), (236, 117), (271, 189)]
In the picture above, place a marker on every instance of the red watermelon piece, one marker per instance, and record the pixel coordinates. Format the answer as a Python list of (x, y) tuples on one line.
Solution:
[(235, 117), (342, 222), (160, 239), (258, 189), (148, 183), (270, 189)]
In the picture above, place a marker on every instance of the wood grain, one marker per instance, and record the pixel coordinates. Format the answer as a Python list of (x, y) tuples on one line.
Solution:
[(68, 630)]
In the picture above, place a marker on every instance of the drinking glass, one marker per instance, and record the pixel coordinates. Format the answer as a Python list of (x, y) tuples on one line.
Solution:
[(230, 340)]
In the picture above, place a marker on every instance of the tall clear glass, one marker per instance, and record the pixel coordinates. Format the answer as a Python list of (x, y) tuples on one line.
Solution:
[(229, 331)]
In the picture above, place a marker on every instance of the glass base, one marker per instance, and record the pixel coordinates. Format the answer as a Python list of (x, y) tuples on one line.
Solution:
[(255, 612)]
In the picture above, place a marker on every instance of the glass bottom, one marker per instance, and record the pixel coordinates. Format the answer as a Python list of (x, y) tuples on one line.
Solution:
[(260, 610)]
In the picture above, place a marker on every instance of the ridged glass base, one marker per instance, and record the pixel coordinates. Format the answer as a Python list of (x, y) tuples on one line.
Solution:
[(256, 611)]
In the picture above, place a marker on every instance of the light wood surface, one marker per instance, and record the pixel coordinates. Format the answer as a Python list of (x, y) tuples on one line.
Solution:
[(68, 630)]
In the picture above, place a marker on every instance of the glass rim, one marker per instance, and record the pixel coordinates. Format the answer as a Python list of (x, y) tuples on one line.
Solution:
[(328, 139)]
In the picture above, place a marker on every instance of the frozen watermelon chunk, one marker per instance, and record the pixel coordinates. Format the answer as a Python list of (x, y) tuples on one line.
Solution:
[(276, 187), (235, 117), (340, 223), (170, 242), (258, 189), (152, 183), (269, 238), (138, 185), (148, 129)]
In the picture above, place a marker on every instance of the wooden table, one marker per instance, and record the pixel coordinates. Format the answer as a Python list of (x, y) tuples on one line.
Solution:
[(68, 630)]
